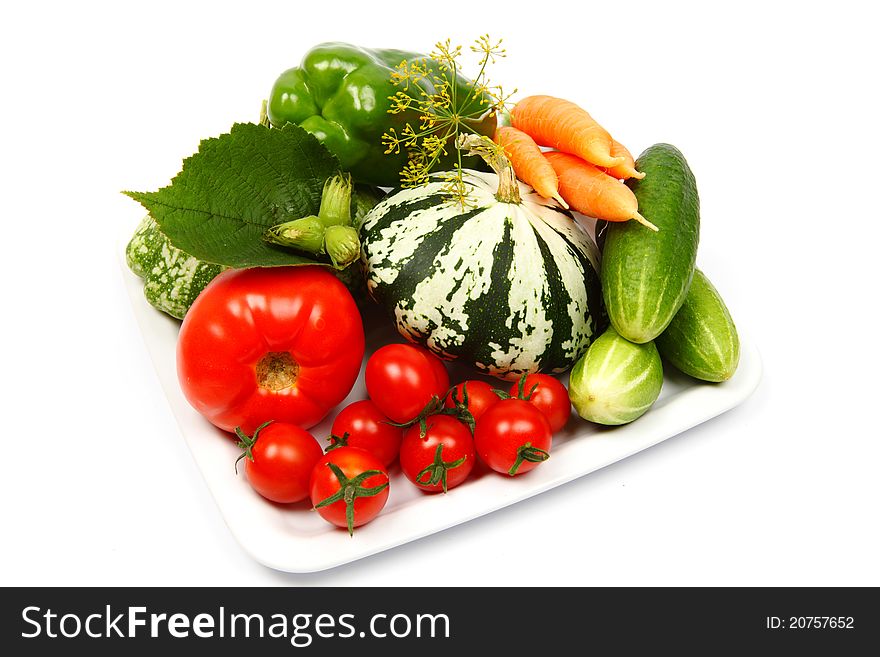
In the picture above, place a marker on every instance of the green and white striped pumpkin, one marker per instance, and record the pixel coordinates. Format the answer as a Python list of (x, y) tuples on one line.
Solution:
[(503, 286)]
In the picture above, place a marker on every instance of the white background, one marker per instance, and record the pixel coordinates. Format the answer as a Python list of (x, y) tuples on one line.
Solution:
[(774, 105)]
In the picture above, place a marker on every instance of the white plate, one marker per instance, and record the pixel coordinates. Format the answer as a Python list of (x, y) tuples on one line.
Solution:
[(294, 538)]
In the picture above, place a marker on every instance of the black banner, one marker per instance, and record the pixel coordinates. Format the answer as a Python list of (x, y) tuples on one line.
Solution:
[(432, 621)]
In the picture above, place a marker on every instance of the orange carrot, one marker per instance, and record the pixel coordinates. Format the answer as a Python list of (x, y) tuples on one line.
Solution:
[(566, 127), (591, 191), (530, 166), (627, 169)]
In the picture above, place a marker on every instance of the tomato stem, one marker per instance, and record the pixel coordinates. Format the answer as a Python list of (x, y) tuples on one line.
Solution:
[(337, 441), (277, 370), (436, 407), (436, 471), (350, 490), (247, 444), (433, 407), (462, 410), (520, 390), (528, 453)]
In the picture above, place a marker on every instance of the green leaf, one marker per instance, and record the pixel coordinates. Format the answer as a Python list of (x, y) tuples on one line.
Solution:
[(236, 187)]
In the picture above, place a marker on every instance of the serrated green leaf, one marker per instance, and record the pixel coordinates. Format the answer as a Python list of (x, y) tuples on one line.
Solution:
[(238, 185)]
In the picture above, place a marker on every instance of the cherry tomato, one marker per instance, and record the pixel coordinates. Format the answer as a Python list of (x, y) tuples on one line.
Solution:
[(442, 458), (513, 437), (349, 487), (279, 459), (548, 395), (479, 397), (362, 424), (402, 378), (439, 368), (282, 343)]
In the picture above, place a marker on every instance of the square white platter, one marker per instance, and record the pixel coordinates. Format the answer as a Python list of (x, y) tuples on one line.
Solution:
[(293, 538)]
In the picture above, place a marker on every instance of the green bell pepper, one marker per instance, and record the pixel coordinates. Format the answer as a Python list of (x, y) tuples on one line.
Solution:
[(340, 93)]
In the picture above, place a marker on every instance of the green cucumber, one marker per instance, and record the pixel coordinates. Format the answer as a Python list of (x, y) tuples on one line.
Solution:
[(702, 340), (646, 275), (616, 381)]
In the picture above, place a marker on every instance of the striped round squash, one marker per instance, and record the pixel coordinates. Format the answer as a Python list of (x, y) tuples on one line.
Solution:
[(505, 287)]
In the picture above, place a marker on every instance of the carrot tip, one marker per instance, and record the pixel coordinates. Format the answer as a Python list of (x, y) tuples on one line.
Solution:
[(560, 200), (645, 222), (638, 175)]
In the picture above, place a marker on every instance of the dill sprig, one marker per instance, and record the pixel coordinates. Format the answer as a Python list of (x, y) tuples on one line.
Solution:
[(429, 88)]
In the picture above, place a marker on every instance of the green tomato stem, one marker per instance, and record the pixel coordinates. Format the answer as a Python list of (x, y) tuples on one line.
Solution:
[(435, 407), (246, 443), (337, 441), (461, 407), (528, 453), (350, 490), (521, 388), (436, 470)]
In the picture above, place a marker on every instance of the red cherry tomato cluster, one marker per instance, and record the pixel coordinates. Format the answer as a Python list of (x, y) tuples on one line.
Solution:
[(268, 353), (511, 431), (437, 432)]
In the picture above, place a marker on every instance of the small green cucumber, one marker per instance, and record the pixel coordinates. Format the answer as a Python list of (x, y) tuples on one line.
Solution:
[(702, 340), (646, 275), (616, 380)]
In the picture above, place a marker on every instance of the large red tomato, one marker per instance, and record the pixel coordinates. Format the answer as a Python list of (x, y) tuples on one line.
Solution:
[(280, 343)]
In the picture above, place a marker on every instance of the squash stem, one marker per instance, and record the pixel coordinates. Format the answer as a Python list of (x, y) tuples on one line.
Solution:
[(493, 155)]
